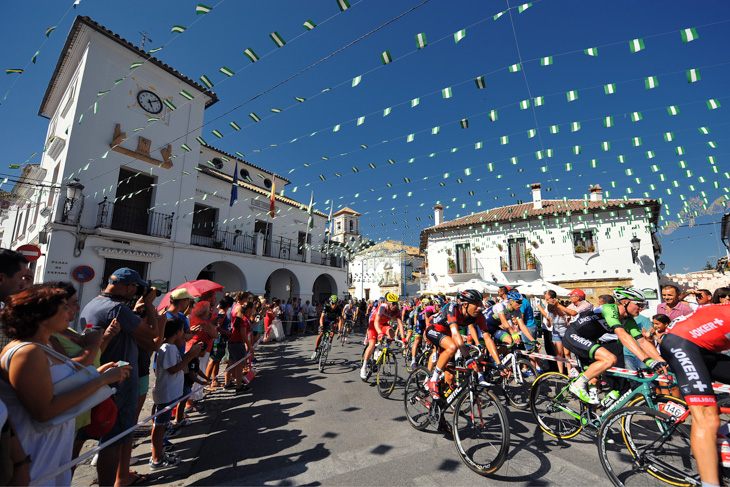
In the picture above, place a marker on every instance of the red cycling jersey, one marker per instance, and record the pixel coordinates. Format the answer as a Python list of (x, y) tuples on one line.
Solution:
[(386, 314), (708, 327), (451, 313)]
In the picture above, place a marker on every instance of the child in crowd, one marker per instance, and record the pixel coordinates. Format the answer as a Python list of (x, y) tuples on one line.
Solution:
[(169, 387)]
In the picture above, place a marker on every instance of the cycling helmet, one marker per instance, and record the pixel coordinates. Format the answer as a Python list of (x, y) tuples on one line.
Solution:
[(471, 296), (391, 297), (333, 299), (630, 293), (514, 296), (425, 302), (490, 303)]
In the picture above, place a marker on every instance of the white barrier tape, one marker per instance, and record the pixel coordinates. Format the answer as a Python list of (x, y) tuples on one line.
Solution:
[(717, 386), (98, 448)]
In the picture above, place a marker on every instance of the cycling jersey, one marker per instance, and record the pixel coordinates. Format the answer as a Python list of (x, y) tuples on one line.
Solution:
[(452, 314), (385, 313), (708, 327), (492, 319), (588, 326), (348, 310), (332, 314)]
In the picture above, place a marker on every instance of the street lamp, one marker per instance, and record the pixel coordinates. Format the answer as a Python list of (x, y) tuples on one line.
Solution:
[(74, 191), (662, 265), (635, 245)]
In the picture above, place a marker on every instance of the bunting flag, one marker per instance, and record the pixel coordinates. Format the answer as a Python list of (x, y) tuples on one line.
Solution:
[(636, 116), (49, 30), (651, 82), (217, 134), (410, 137), (704, 130), (576, 149), (356, 81), (673, 110), (251, 55), (572, 95), (554, 129), (464, 123), (35, 56), (693, 75), (480, 82), (524, 104), (343, 4), (636, 141), (713, 104), (360, 120), (531, 133), (421, 40), (523, 7), (186, 148), (605, 146), (310, 221), (435, 130), (592, 51), (278, 40), (177, 29), (386, 57), (499, 15), (135, 65), (254, 117), (636, 45), (689, 35), (272, 206), (13, 71), (446, 93), (309, 25), (234, 186), (504, 140), (208, 84), (169, 104), (226, 71), (546, 61), (200, 140), (459, 36), (234, 125), (186, 95), (608, 122), (299, 99), (202, 9), (539, 101), (493, 115), (414, 102), (650, 154), (575, 126), (610, 88), (515, 67)]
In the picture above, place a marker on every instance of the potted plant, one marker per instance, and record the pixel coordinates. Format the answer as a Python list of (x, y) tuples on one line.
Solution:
[(478, 250), (591, 248), (448, 251), (499, 246), (452, 266), (531, 261), (579, 249), (503, 263), (534, 244)]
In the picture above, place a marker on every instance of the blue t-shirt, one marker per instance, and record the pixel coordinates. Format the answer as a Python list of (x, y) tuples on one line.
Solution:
[(644, 323), (186, 326), (528, 316)]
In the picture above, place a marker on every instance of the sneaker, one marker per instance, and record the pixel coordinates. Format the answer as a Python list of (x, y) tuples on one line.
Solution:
[(573, 374), (167, 461), (527, 373), (244, 388), (94, 460), (413, 364), (433, 388), (345, 339), (314, 356), (609, 441), (483, 382), (582, 394), (169, 447), (184, 422), (172, 432), (593, 395), (364, 373), (229, 386)]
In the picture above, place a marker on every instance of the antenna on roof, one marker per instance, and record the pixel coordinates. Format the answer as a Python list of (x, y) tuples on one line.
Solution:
[(145, 38)]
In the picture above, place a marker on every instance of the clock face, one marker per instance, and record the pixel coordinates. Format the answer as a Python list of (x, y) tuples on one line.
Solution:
[(149, 101)]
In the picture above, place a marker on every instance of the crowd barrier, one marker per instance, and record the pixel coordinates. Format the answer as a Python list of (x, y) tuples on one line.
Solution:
[(100, 447), (716, 386)]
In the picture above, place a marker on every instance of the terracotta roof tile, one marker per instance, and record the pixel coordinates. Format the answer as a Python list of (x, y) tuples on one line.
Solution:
[(242, 160)]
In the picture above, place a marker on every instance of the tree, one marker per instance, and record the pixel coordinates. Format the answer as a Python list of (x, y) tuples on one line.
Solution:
[(708, 266)]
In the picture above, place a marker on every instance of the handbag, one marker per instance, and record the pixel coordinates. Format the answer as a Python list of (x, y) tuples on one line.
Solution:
[(80, 377), (103, 418)]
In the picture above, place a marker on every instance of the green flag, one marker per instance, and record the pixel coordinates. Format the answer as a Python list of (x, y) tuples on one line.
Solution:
[(386, 57), (689, 35), (421, 40), (636, 45), (459, 35)]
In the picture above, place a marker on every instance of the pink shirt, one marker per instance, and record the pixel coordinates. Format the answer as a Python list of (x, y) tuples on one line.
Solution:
[(680, 309)]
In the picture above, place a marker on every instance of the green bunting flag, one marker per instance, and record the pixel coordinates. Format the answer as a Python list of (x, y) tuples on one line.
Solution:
[(576, 149), (524, 104), (35, 56), (421, 40), (524, 7), (200, 140), (49, 30), (254, 117), (651, 82), (605, 146), (464, 123), (531, 133), (554, 129), (202, 9), (446, 93), (568, 166), (712, 144), (234, 125), (499, 15), (539, 101), (636, 45), (356, 81), (608, 122), (546, 61), (713, 104), (135, 65), (275, 110), (13, 71), (386, 112), (299, 99), (575, 126), (504, 140), (278, 40), (410, 138), (435, 130), (251, 55), (415, 102), (493, 115), (208, 84), (309, 25), (336, 128), (513, 160), (459, 35), (186, 95), (636, 141), (343, 4), (636, 116), (217, 134), (610, 88), (539, 155), (593, 51), (177, 29), (169, 104), (704, 130), (478, 145), (650, 154), (689, 35), (679, 150), (515, 67), (673, 110), (227, 71), (621, 159), (693, 75), (480, 82), (386, 57), (668, 136), (360, 120), (572, 95)]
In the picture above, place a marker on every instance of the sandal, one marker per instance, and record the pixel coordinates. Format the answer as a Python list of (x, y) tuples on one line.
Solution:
[(139, 479)]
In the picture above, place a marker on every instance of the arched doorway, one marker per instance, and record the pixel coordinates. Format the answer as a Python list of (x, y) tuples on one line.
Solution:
[(324, 287), (226, 274), (282, 284)]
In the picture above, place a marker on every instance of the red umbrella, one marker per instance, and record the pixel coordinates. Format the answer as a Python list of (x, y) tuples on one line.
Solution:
[(195, 288)]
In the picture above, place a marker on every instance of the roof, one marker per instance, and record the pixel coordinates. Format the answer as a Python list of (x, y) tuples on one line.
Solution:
[(526, 212), (246, 162), (348, 211), (73, 36), (225, 177)]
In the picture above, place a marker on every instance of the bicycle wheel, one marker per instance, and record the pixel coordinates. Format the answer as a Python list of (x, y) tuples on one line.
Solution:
[(326, 343), (417, 399), (641, 446), (554, 407), (517, 388), (481, 431), (409, 358), (387, 374)]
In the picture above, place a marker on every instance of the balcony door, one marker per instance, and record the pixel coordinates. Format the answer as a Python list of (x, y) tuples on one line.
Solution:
[(205, 219), (517, 259), (131, 214), (265, 228), (463, 258)]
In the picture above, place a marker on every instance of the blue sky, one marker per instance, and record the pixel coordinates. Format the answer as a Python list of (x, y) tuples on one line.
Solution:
[(301, 142)]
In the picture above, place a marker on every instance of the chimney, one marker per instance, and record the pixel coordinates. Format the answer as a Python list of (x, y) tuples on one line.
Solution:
[(596, 193), (536, 196), (438, 214)]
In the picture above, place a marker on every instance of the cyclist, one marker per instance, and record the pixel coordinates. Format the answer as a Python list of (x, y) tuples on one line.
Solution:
[(423, 314), (347, 313), (379, 326), (693, 346), (498, 318), (331, 317), (588, 326)]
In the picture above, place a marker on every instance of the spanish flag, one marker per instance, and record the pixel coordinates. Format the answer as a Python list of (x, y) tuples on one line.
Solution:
[(272, 208)]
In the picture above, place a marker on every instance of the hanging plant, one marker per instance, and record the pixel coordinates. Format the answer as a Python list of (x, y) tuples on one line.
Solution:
[(500, 247), (478, 250), (448, 251), (534, 244)]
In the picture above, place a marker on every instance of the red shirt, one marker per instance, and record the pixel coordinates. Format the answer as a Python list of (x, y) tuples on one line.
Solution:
[(385, 313), (708, 327)]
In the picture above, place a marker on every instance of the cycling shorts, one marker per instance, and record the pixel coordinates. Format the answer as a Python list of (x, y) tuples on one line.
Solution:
[(327, 325), (419, 328), (373, 334), (409, 324), (695, 368), (582, 347), (434, 336), (500, 336)]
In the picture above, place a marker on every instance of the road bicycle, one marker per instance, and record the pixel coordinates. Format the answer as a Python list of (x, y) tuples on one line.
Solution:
[(561, 414), (345, 331), (479, 423), (384, 363), (643, 446), (325, 345), (422, 357), (518, 383)]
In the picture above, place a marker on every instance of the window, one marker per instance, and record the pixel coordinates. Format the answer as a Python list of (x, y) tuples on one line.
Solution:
[(52, 191), (463, 258), (69, 102), (583, 241), (352, 226), (517, 260), (339, 226), (300, 242), (204, 220), (111, 265)]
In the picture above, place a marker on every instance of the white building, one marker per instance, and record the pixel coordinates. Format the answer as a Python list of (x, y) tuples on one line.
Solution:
[(580, 243), (156, 196), (385, 267)]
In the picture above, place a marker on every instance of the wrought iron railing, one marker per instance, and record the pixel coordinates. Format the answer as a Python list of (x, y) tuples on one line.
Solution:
[(326, 258), (235, 241), (284, 248), (473, 266), (131, 219)]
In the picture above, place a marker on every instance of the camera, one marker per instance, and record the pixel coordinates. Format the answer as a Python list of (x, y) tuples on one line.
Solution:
[(144, 291)]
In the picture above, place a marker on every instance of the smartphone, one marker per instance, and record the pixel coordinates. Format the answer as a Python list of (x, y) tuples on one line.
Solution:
[(122, 363)]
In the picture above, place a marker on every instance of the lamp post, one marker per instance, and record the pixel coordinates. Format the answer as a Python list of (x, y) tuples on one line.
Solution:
[(635, 246), (74, 191)]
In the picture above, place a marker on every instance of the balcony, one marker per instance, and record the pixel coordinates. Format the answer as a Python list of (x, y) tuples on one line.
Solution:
[(525, 266), (327, 258), (131, 219), (467, 270), (224, 240), (284, 248)]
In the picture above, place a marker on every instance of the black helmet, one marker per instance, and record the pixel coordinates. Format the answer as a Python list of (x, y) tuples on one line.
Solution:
[(471, 296)]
